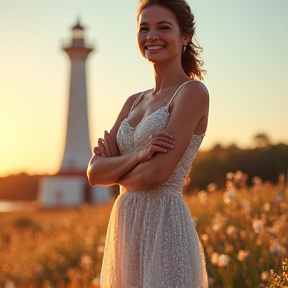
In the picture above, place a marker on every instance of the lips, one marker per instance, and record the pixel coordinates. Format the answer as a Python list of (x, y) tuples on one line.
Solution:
[(154, 47)]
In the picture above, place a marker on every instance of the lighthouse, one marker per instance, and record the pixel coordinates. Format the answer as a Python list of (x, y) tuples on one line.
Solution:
[(77, 148), (70, 187)]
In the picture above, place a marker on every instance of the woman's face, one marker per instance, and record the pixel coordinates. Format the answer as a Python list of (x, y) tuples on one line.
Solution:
[(159, 35)]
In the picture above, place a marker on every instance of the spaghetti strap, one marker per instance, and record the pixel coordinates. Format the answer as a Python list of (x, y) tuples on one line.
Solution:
[(183, 84), (135, 103)]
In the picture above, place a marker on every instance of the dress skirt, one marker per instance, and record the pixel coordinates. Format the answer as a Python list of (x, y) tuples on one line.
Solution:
[(151, 242)]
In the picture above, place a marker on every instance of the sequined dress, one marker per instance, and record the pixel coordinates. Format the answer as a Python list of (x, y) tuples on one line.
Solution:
[(151, 240)]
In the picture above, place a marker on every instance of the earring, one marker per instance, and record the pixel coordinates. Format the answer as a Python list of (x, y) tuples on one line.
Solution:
[(184, 48)]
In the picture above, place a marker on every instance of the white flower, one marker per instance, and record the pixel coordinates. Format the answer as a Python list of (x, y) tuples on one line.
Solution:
[(238, 175), (229, 175), (231, 230), (228, 196), (211, 187), (257, 225), (223, 260), (264, 276), (202, 195), (242, 254)]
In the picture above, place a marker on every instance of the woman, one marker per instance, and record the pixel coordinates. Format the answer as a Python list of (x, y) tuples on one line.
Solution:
[(151, 239)]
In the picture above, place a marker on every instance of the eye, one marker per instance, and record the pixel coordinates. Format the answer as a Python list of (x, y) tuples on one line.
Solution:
[(141, 29), (165, 27)]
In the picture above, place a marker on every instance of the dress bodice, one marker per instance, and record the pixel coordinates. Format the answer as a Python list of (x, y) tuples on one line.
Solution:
[(132, 139)]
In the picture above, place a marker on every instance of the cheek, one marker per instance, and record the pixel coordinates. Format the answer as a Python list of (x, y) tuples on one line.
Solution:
[(141, 40)]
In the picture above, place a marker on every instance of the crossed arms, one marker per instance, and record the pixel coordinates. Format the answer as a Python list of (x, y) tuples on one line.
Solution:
[(155, 163)]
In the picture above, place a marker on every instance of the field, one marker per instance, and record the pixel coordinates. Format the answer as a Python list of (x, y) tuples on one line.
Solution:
[(244, 232)]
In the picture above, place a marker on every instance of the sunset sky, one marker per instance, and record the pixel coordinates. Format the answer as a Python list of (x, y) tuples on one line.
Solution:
[(245, 53)]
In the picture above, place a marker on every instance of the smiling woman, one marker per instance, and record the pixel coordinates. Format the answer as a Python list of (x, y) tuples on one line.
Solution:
[(151, 239)]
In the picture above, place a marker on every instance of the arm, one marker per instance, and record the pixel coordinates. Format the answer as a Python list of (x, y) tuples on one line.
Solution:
[(106, 165), (189, 115), (100, 168)]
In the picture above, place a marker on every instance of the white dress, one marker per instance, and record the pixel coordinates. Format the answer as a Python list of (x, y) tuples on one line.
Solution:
[(151, 240)]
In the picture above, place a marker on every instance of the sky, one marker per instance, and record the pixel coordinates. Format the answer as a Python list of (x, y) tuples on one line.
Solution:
[(245, 53)]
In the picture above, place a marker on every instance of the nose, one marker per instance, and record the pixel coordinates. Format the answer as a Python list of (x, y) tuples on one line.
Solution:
[(152, 35)]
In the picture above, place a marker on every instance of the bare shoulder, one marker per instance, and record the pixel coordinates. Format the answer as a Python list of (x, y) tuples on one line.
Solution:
[(196, 89), (193, 95)]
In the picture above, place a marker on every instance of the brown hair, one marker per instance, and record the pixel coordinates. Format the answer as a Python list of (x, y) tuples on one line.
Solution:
[(191, 61)]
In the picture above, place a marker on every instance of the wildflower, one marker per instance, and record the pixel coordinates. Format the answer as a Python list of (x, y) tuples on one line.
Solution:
[(205, 237), (266, 207), (242, 255), (218, 222), (202, 195), (211, 187), (228, 196), (214, 258), (257, 225), (279, 198), (216, 227), (231, 230), (223, 260), (238, 176), (277, 249), (86, 261), (264, 275), (229, 175), (257, 181), (101, 249), (246, 205)]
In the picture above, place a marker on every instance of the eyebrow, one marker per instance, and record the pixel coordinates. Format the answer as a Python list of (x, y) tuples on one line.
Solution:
[(160, 22)]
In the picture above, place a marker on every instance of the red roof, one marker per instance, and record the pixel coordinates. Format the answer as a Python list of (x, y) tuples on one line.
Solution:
[(78, 26)]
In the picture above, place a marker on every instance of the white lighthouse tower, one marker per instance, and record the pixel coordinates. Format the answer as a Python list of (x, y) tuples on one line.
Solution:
[(70, 187), (77, 149)]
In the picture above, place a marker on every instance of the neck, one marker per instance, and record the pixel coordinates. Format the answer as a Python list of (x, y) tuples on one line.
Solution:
[(168, 75)]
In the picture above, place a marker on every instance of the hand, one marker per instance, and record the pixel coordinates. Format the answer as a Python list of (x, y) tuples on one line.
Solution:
[(158, 142), (97, 151), (106, 147)]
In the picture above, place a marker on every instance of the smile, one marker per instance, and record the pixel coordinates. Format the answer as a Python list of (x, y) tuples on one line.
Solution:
[(154, 47)]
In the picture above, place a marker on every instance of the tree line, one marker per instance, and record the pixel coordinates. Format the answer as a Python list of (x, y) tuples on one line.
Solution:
[(211, 166), (265, 161)]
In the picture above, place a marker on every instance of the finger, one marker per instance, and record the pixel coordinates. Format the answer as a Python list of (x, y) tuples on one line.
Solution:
[(162, 144), (162, 139), (161, 134), (101, 145), (97, 151), (107, 143), (156, 148)]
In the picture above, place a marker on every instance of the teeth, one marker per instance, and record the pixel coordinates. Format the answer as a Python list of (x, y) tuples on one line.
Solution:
[(154, 47)]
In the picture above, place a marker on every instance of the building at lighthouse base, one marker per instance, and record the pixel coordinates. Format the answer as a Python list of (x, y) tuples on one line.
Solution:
[(70, 189)]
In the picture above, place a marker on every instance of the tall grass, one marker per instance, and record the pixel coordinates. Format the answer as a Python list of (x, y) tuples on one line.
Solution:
[(244, 232)]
